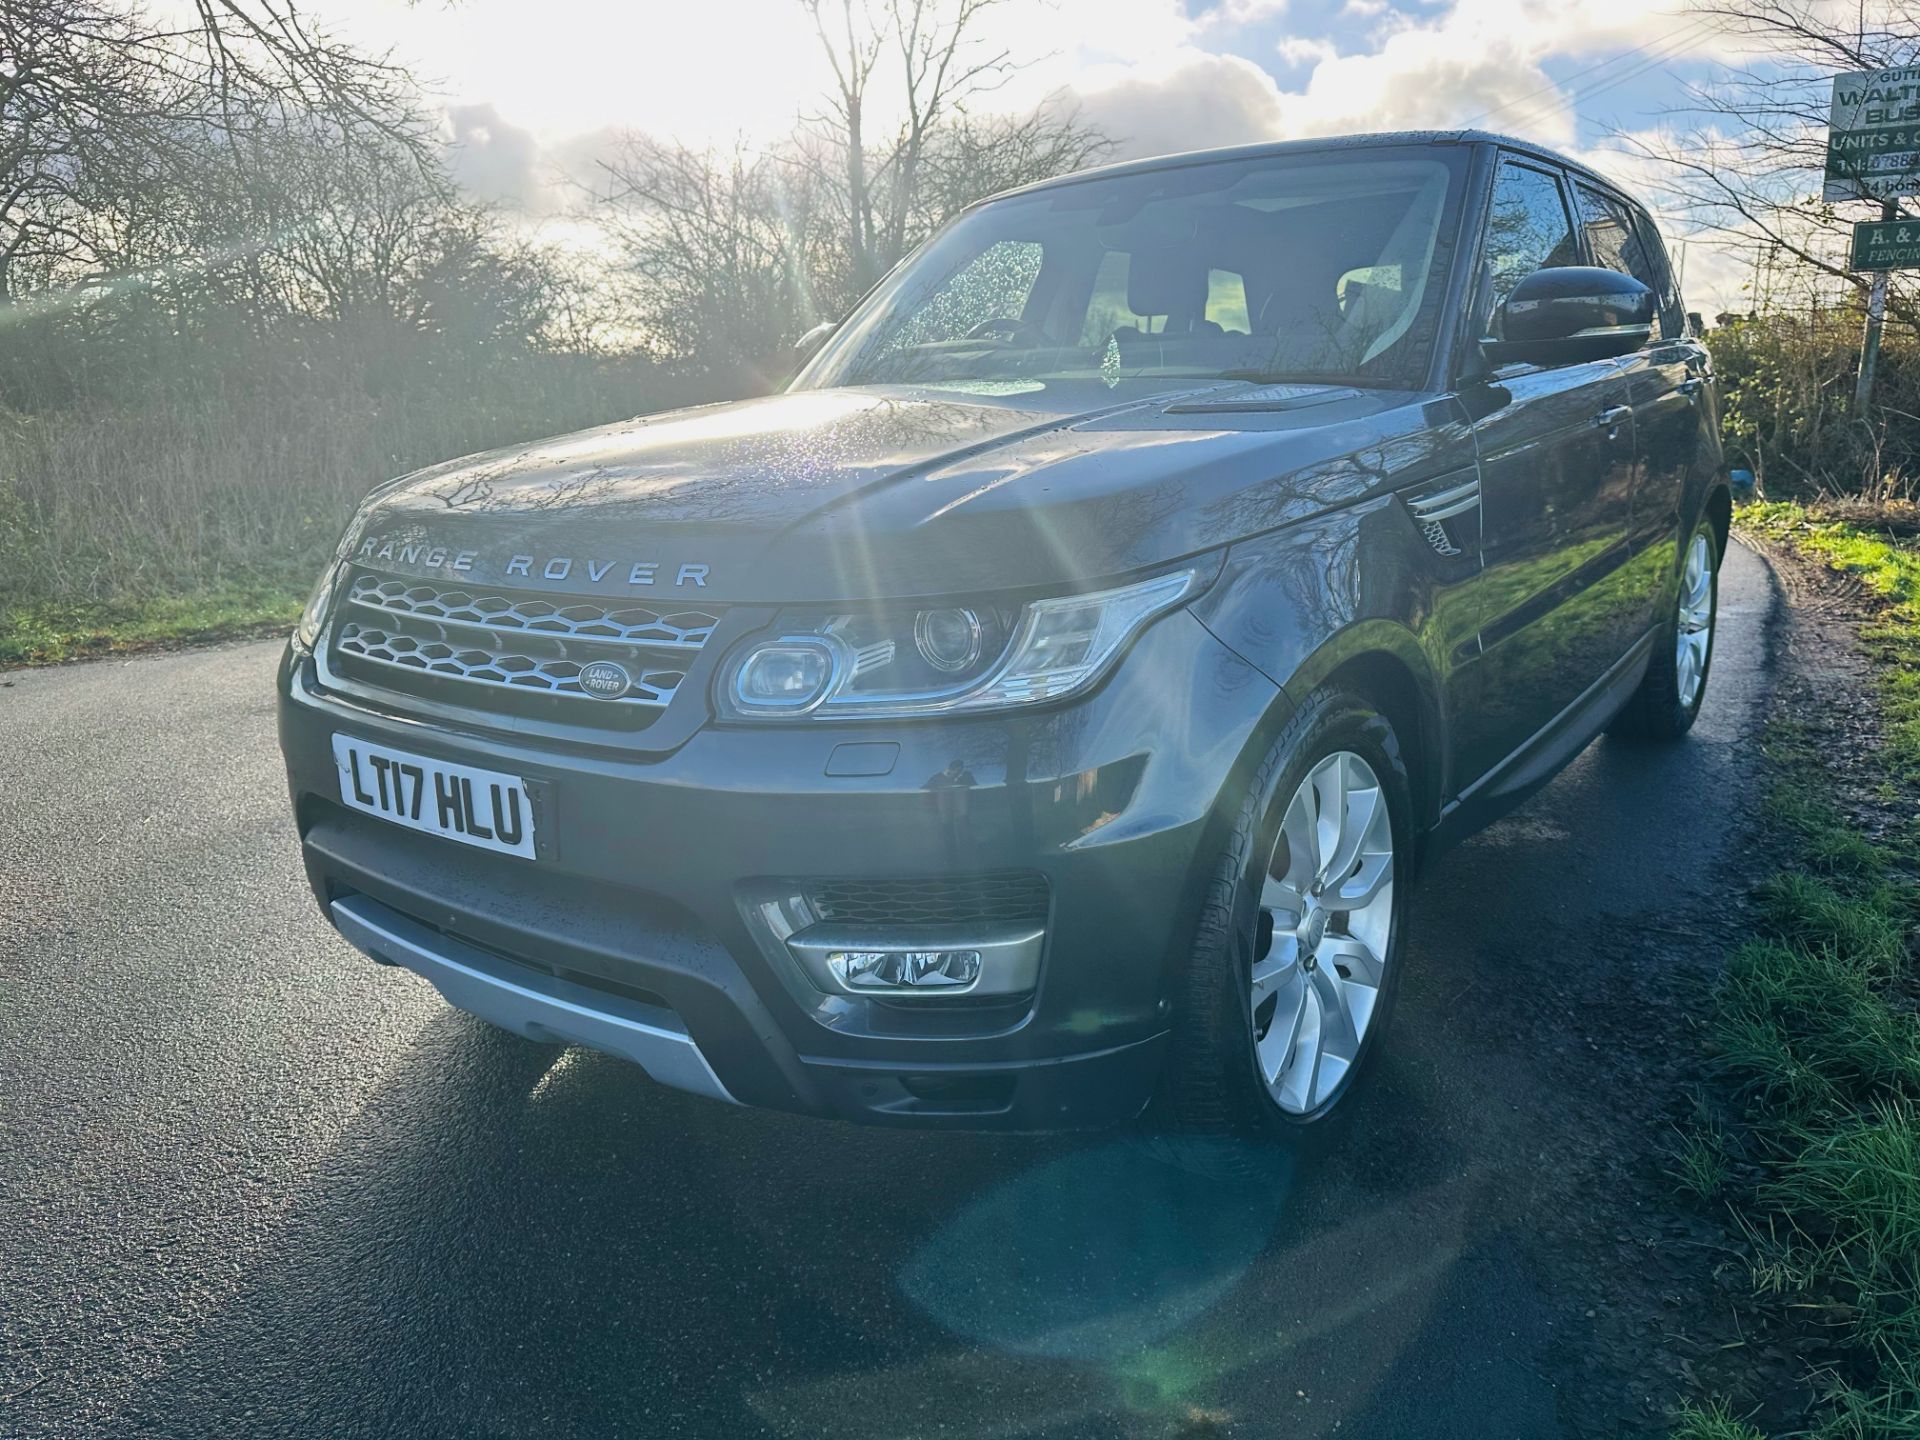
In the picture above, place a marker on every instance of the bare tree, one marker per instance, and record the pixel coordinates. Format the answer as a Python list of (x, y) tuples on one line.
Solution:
[(853, 42), (101, 104), (729, 254), (255, 49), (943, 64), (1746, 161), (938, 60), (718, 250), (976, 156)]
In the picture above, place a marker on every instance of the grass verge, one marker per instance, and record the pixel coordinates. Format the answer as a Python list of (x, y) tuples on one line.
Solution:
[(203, 509), (1816, 1037), (34, 634), (1888, 565)]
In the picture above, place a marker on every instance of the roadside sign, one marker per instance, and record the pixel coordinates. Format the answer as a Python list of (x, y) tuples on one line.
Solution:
[(1886, 245), (1873, 135)]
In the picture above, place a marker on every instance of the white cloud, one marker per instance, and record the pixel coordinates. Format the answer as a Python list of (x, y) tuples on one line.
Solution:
[(1194, 100), (495, 160), (1480, 60), (566, 66), (1228, 14), (1715, 269), (1300, 50), (1473, 62), (1477, 61), (1427, 78), (1069, 35)]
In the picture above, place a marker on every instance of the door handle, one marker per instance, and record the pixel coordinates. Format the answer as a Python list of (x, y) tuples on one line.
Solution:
[(1612, 418), (1692, 386)]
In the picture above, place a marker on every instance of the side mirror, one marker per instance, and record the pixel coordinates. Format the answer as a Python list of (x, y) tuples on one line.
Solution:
[(808, 345), (1570, 313)]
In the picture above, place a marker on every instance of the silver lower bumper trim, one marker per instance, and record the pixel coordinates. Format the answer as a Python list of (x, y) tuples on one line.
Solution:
[(540, 1007)]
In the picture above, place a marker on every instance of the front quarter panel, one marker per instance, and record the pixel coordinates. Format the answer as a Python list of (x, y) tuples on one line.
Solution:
[(1361, 583)]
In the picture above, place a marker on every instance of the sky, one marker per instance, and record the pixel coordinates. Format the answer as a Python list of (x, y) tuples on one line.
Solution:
[(532, 91)]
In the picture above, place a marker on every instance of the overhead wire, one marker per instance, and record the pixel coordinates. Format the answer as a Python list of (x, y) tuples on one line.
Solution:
[(1653, 53)]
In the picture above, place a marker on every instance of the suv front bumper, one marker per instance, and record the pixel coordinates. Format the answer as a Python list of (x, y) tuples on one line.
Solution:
[(655, 925)]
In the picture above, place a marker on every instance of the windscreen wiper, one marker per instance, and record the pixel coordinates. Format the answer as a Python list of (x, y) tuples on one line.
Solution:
[(1304, 377)]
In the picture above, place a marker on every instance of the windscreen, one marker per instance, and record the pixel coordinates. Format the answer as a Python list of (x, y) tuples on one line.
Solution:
[(1323, 266)]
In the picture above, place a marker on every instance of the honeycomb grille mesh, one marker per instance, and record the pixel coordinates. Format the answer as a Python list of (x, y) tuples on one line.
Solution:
[(1005, 899), (495, 667), (627, 624), (444, 643)]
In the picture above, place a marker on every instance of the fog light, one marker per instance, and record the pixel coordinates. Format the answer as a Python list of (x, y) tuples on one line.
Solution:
[(904, 969), (932, 960)]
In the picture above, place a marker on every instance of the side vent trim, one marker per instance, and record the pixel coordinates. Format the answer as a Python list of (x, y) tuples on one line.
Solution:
[(1453, 497), (1445, 504)]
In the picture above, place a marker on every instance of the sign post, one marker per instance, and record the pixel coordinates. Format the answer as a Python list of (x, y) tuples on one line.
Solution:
[(1873, 153), (1876, 315)]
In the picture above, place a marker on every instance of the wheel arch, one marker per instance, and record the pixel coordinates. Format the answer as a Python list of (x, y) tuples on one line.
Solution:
[(1383, 663), (1299, 607)]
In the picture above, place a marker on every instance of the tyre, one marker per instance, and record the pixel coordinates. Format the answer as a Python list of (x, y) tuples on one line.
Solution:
[(1296, 956), (1668, 700)]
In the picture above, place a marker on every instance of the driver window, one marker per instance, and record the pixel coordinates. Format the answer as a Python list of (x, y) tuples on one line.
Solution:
[(1528, 229), (993, 286)]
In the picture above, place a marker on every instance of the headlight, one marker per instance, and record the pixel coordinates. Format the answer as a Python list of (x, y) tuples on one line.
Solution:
[(307, 633), (945, 660)]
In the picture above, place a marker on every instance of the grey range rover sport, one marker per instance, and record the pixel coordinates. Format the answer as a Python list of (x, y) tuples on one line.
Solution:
[(1040, 711)]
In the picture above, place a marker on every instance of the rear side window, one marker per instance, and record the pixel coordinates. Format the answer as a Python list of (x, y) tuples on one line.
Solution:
[(1617, 242), (1673, 309), (1527, 230), (1227, 301), (1107, 307)]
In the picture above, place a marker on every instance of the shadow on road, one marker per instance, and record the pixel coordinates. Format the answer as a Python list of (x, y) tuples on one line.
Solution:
[(514, 1239)]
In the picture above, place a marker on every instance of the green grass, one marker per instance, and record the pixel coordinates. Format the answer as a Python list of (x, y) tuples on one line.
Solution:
[(1712, 1422), (1804, 1030), (1890, 569), (34, 634), (1699, 1164), (1816, 1034), (209, 509), (1868, 929)]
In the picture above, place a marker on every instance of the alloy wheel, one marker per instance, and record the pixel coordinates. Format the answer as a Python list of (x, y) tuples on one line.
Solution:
[(1694, 635), (1325, 926)]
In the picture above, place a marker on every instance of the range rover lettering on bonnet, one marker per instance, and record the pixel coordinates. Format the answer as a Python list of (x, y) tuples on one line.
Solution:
[(537, 567)]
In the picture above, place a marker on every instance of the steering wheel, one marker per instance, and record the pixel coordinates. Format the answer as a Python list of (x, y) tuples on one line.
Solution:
[(1012, 328)]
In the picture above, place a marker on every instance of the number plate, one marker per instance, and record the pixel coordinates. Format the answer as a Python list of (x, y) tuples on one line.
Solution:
[(473, 806)]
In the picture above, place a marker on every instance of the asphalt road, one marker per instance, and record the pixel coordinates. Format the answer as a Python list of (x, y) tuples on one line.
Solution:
[(251, 1184)]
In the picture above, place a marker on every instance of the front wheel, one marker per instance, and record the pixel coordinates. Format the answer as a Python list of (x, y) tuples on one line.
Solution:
[(1668, 700), (1296, 958)]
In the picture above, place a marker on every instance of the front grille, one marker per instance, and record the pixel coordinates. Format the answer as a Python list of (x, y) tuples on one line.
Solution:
[(958, 900), (489, 666), (519, 653), (635, 624)]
